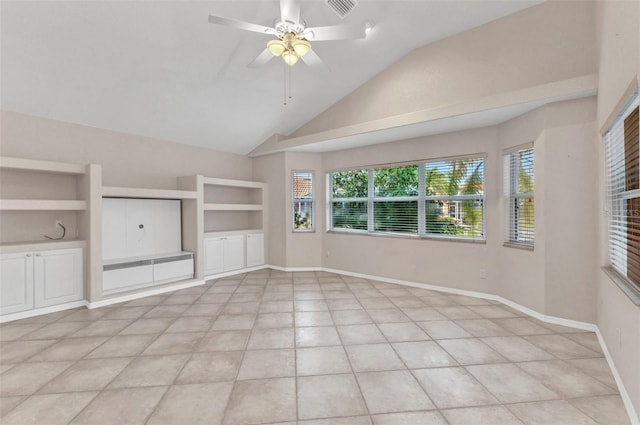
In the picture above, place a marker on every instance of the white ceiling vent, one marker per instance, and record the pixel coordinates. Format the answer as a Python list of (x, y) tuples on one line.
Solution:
[(342, 7)]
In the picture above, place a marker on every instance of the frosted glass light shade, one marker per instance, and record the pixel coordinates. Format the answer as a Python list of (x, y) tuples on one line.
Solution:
[(290, 57), (276, 47), (301, 47)]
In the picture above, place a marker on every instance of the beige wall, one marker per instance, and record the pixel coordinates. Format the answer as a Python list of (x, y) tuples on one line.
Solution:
[(550, 42), (619, 64)]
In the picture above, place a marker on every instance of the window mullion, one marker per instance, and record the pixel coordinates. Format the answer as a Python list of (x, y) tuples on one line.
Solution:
[(370, 197), (422, 192)]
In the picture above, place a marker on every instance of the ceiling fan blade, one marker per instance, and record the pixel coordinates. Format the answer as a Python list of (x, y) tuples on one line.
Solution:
[(336, 32), (242, 25), (290, 11), (262, 59), (313, 60)]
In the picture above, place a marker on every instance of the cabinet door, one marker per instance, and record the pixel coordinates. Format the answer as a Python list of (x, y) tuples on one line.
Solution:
[(58, 277), (16, 282), (213, 254), (255, 249), (233, 253)]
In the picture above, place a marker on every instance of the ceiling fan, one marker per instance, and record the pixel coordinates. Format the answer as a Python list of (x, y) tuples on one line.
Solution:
[(291, 35)]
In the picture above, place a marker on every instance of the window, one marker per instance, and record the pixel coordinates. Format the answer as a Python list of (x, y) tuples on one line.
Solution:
[(519, 225), (303, 198), (623, 194), (442, 198)]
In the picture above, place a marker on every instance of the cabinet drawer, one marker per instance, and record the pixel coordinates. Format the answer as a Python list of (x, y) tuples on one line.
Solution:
[(121, 279), (173, 270)]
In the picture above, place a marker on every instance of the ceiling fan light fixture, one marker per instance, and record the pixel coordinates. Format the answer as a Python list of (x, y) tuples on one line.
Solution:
[(276, 47), (301, 46), (290, 57)]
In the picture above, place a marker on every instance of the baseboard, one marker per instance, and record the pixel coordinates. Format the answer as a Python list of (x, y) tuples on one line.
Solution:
[(235, 272), (296, 269), (147, 293), (40, 311)]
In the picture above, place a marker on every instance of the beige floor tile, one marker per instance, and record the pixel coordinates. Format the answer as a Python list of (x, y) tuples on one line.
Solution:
[(349, 420), (516, 349), (7, 404), (400, 332), (423, 314), (193, 404), (351, 317), (241, 308), (82, 315), (392, 391), (50, 409), (453, 387), (558, 329), (511, 384), (278, 296), (381, 302), (122, 346), (458, 312), (191, 324), (467, 301), (329, 395), (174, 343), (470, 351), (482, 415), (344, 304), (149, 371), (360, 334), (561, 347), (27, 378), (211, 367), (388, 315), (234, 322), (68, 349), (276, 307), (54, 330), (262, 401), (218, 298), (443, 329), (147, 301), (134, 406), (321, 361), (268, 364), (14, 331), (492, 311), (126, 313), (396, 292), (608, 410), (521, 326), (313, 318), (167, 311), (181, 299), (373, 357), (274, 320), (86, 375), (271, 338), (208, 310), (407, 302), (410, 418), (19, 351), (244, 297), (554, 412), (565, 380), (224, 341), (421, 354), (102, 328), (597, 368), (147, 326), (589, 340), (482, 328), (438, 301)]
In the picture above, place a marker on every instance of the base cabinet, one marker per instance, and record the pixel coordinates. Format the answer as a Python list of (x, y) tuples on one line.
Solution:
[(40, 279), (223, 254), (255, 249)]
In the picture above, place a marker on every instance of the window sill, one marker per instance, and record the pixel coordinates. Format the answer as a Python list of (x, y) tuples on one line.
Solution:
[(413, 237), (629, 288), (518, 246), (303, 231)]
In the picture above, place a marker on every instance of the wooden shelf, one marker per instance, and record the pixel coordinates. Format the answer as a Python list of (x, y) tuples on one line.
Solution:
[(232, 207), (41, 245), (233, 183), (9, 163), (218, 233), (134, 192), (42, 205)]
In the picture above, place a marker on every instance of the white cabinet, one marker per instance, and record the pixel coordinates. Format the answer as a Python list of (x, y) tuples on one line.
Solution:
[(16, 282), (40, 279), (223, 254), (255, 249)]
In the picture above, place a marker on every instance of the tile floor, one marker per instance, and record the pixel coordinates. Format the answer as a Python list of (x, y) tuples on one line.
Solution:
[(302, 348)]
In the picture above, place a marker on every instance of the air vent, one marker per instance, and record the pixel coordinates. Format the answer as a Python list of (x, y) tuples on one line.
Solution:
[(342, 7)]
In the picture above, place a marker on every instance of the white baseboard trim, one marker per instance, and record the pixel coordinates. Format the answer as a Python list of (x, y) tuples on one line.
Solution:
[(235, 272), (40, 311), (296, 269), (156, 291)]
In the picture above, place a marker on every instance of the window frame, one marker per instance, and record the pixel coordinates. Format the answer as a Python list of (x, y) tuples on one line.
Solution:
[(311, 200), (513, 196), (421, 199)]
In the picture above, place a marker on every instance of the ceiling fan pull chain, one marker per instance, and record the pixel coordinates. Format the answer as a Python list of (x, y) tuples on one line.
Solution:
[(289, 81), (285, 83)]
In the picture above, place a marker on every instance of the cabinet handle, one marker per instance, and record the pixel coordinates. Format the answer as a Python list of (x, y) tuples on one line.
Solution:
[(28, 255), (37, 255)]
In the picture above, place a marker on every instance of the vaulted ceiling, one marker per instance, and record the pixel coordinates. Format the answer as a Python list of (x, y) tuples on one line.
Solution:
[(159, 69)]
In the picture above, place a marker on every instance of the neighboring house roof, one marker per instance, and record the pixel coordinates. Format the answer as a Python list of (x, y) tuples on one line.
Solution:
[(302, 187)]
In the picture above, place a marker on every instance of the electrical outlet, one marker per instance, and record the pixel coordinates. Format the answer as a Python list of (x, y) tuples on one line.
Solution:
[(483, 274), (59, 223)]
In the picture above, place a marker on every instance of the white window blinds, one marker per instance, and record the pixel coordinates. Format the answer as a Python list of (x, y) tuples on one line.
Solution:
[(623, 191), (303, 201), (519, 223)]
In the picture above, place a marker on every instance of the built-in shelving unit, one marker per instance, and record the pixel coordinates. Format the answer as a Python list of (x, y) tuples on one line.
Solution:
[(136, 192), (232, 207), (41, 205)]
